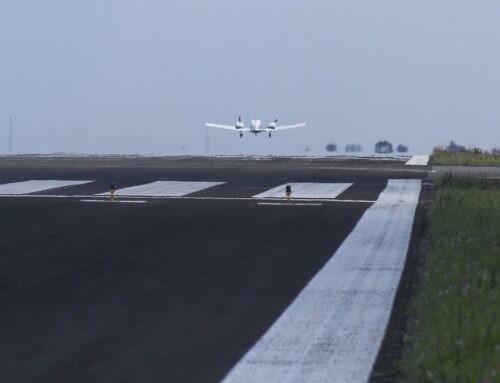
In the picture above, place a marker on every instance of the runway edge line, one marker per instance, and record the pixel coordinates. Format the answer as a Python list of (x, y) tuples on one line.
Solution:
[(333, 330)]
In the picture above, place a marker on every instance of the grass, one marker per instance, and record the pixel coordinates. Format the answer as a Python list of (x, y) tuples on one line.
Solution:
[(468, 158), (454, 319)]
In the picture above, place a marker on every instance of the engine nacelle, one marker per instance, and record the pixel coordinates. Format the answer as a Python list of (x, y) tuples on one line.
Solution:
[(239, 124), (272, 124)]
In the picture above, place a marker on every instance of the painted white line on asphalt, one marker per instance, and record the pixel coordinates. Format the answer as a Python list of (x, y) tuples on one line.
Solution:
[(289, 204), (185, 198), (33, 186), (418, 160), (334, 328), (164, 189), (306, 190), (109, 201)]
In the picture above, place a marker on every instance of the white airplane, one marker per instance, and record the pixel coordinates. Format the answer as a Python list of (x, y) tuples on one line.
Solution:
[(255, 127)]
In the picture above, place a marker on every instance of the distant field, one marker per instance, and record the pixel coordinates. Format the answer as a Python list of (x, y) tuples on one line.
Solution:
[(469, 158), (454, 325)]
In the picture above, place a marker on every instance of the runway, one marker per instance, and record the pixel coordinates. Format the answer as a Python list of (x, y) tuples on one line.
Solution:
[(333, 329), (179, 280)]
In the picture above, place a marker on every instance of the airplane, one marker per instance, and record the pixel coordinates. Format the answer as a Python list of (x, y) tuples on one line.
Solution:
[(255, 127)]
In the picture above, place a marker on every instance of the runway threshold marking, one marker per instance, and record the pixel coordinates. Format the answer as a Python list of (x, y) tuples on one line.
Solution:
[(164, 189), (334, 328), (421, 160), (310, 190), (33, 186)]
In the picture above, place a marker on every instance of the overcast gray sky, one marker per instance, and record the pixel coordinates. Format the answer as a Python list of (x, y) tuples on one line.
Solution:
[(143, 76)]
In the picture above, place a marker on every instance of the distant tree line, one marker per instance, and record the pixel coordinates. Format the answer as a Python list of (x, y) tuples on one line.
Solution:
[(349, 148), (383, 147), (386, 147), (380, 147), (353, 148), (331, 148), (455, 148)]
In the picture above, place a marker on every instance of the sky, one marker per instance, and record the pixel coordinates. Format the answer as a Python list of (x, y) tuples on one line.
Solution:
[(144, 76)]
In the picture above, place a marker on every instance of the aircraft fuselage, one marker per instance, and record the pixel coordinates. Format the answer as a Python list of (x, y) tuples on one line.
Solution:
[(256, 127)]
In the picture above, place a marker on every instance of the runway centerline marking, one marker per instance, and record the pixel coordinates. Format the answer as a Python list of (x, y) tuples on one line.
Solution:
[(33, 186), (164, 189), (333, 329), (310, 190), (421, 160)]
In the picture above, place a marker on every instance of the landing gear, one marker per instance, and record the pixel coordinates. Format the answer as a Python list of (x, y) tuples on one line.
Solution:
[(269, 134), (241, 134)]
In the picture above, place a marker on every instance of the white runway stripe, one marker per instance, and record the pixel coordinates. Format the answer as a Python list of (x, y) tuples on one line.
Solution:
[(334, 328), (33, 186), (289, 204), (306, 190), (164, 189), (109, 201), (418, 160)]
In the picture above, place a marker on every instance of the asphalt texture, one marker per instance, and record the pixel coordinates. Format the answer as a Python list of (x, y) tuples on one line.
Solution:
[(172, 290)]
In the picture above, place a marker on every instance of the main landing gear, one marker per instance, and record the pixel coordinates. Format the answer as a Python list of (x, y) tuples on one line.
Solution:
[(241, 134), (269, 134)]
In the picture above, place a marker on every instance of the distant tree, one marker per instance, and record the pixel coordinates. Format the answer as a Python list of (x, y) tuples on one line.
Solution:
[(383, 147), (454, 148), (402, 148), (331, 148), (353, 148)]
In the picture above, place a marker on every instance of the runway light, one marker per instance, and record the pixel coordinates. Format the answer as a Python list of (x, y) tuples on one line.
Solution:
[(112, 189)]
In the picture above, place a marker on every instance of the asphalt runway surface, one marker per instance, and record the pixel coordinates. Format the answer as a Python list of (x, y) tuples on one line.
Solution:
[(172, 289)]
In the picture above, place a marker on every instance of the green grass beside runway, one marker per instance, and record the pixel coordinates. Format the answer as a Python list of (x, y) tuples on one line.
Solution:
[(454, 319), (468, 158)]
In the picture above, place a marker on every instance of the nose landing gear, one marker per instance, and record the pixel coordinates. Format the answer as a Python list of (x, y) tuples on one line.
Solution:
[(241, 134), (269, 134)]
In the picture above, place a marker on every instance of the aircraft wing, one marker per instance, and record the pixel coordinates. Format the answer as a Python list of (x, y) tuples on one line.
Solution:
[(229, 127), (283, 127)]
